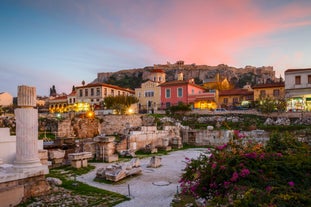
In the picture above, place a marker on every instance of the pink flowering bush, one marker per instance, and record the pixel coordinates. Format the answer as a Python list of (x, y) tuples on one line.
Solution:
[(243, 173)]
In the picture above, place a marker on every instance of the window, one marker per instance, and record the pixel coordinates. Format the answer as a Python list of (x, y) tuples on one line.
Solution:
[(154, 78), (179, 92), (262, 93), (309, 79), (276, 92), (297, 80), (92, 91), (192, 91), (86, 92), (160, 79), (80, 93), (105, 91), (97, 91), (112, 92), (149, 93), (119, 93), (168, 93), (235, 100), (225, 100)]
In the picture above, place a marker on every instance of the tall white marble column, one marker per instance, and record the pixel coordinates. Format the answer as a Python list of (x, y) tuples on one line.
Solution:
[(26, 129)]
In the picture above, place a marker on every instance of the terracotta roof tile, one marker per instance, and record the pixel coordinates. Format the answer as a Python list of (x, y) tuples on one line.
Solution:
[(270, 85)]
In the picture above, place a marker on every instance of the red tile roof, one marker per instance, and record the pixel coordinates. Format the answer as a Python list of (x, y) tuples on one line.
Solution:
[(180, 82), (106, 85), (157, 71), (269, 85), (238, 91)]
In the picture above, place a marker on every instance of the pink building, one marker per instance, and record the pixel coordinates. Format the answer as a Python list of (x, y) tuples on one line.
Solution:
[(187, 92)]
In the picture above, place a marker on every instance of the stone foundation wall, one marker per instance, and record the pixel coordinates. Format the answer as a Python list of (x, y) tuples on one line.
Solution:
[(117, 123), (219, 137), (13, 192), (78, 128), (149, 135)]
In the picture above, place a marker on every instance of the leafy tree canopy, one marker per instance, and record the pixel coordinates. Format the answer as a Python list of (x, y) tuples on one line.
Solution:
[(119, 103)]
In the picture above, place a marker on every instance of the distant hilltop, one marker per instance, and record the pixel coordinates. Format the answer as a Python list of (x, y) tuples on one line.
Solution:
[(132, 78)]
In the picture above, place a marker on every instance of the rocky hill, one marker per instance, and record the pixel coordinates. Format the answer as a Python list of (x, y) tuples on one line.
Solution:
[(132, 78)]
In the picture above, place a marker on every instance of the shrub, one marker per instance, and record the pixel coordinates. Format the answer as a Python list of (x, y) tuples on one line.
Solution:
[(244, 173)]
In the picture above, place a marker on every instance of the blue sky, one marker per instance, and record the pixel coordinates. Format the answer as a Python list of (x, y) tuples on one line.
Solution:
[(62, 42)]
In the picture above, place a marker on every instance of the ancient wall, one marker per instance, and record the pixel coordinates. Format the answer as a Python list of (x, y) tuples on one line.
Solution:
[(78, 128), (112, 124), (149, 135), (219, 137)]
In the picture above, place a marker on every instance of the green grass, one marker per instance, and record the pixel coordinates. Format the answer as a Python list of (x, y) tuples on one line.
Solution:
[(94, 196)]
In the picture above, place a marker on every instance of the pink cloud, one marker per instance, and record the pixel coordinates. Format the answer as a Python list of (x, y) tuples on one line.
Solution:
[(209, 32), (213, 31)]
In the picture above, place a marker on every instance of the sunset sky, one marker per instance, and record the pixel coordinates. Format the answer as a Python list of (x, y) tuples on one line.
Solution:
[(62, 42)]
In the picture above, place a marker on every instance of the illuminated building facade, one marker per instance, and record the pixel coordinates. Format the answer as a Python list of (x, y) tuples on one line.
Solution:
[(298, 89), (94, 93)]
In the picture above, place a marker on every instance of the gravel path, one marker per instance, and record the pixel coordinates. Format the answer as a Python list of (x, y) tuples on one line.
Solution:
[(155, 187)]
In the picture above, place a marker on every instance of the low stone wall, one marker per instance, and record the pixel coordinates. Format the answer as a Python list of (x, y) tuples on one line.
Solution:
[(14, 191), (149, 135), (219, 137)]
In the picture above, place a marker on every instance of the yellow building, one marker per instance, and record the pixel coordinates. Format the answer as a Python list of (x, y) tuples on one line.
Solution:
[(271, 90), (149, 94), (235, 97), (217, 83)]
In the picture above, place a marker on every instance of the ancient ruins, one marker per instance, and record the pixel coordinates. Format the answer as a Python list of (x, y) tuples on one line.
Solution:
[(22, 175), (116, 172)]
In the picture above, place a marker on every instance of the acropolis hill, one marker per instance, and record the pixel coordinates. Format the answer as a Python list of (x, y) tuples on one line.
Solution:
[(201, 73)]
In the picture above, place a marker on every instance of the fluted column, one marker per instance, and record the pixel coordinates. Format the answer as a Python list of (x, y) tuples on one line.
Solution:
[(26, 129)]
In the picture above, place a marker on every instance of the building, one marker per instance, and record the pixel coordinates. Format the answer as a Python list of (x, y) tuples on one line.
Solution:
[(298, 89), (187, 92), (269, 90), (217, 83), (94, 93), (149, 94), (6, 99), (58, 104), (241, 97)]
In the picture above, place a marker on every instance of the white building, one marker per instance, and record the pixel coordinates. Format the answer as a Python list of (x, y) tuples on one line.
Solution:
[(6, 99), (298, 89), (94, 93)]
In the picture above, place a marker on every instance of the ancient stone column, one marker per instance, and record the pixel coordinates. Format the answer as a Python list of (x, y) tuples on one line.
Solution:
[(26, 129)]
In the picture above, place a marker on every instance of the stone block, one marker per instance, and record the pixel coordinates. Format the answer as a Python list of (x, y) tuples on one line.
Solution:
[(84, 163), (56, 154), (11, 196), (76, 163), (111, 158)]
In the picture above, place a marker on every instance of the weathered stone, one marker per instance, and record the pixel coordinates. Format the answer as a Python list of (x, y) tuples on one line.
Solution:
[(79, 159), (116, 172), (54, 181), (155, 162)]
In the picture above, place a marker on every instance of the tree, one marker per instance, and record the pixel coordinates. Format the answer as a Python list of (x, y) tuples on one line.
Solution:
[(119, 103), (269, 105)]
